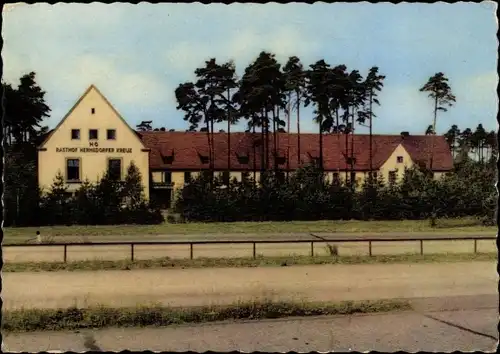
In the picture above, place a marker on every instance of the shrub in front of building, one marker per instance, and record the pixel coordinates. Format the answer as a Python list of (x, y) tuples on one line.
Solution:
[(108, 202), (467, 191)]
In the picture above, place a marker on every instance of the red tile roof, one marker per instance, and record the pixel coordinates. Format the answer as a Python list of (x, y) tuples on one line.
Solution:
[(187, 147)]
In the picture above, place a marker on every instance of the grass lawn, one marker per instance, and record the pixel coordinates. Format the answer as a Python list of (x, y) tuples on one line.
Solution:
[(444, 226), (25, 320), (167, 263)]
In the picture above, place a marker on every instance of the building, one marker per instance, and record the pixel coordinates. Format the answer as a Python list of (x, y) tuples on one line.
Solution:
[(93, 137)]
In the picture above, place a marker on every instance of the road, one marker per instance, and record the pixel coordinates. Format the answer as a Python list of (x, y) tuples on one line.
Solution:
[(205, 286), (120, 252), (469, 329)]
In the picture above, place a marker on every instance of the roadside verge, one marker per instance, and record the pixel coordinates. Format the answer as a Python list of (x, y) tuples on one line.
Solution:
[(24, 320)]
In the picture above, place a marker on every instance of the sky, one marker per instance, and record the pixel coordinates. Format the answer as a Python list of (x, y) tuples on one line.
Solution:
[(138, 54)]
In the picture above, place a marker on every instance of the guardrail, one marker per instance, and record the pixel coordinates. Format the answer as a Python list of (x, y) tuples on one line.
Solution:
[(254, 243)]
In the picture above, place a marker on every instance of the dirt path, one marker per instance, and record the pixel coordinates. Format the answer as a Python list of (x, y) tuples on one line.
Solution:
[(190, 287)]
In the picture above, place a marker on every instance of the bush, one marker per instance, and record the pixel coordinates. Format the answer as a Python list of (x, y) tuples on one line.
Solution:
[(468, 191), (108, 202)]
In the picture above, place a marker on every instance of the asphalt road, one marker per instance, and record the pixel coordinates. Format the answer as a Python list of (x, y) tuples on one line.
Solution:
[(206, 286), (444, 331)]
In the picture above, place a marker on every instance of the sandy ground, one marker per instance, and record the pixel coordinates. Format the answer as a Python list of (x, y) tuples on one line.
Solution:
[(191, 287), (463, 330), (119, 252)]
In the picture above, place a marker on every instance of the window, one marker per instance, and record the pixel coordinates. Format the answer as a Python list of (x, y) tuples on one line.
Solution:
[(280, 176), (75, 134), (187, 177), (92, 110), (336, 178), (115, 169), (392, 177), (168, 176), (353, 177), (225, 177), (207, 174), (245, 175), (73, 170), (400, 159), (111, 134), (93, 135)]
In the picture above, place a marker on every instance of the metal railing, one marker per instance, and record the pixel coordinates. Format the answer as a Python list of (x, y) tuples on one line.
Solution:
[(254, 243)]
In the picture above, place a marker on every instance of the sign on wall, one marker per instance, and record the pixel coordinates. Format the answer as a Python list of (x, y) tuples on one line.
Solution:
[(95, 149)]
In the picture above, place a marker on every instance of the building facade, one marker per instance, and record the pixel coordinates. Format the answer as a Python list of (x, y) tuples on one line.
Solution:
[(93, 138)]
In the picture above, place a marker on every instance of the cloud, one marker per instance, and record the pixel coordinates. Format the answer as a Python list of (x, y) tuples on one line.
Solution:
[(124, 87), (243, 46)]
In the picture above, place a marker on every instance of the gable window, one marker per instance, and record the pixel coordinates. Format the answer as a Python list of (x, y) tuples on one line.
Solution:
[(115, 169), (75, 134), (93, 134), (73, 170), (187, 177), (92, 110), (392, 177), (111, 134), (400, 159), (168, 176)]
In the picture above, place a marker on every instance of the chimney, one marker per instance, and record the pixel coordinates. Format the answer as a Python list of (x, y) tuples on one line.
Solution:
[(405, 134)]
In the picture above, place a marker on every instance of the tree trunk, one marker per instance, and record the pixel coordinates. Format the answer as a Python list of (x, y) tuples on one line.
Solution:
[(433, 132), (288, 135), (321, 143), (254, 155), (228, 138), (275, 141), (298, 129), (371, 136), (213, 151), (210, 159)]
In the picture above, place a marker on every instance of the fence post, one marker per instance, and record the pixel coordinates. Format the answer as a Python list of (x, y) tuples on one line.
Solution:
[(132, 252), (421, 247), (475, 245), (312, 248), (254, 251), (191, 250), (65, 253), (370, 248)]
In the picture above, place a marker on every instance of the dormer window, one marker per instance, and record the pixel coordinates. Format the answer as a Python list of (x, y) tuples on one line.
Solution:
[(168, 156), (350, 160), (280, 160), (168, 160), (242, 159), (314, 158), (204, 159)]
